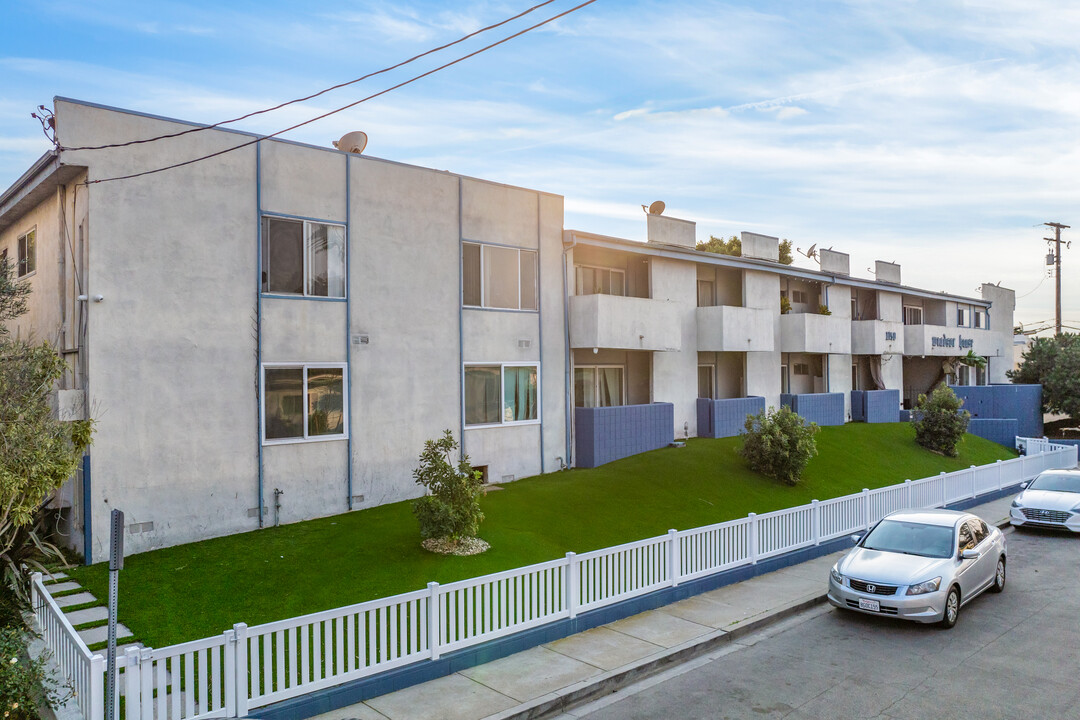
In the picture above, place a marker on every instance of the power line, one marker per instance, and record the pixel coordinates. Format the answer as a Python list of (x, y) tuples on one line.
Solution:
[(344, 107), (314, 95)]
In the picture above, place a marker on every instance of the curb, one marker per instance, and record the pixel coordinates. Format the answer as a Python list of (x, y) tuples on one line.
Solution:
[(614, 680)]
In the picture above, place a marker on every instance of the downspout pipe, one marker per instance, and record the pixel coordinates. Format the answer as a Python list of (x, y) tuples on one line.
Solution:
[(540, 323), (348, 331), (258, 322), (566, 329), (461, 327)]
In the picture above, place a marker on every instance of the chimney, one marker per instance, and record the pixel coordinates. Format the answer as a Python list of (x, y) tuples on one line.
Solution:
[(887, 272), (835, 262), (760, 247), (671, 231)]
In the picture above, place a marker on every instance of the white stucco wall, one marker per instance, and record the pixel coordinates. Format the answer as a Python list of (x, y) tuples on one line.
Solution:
[(675, 373)]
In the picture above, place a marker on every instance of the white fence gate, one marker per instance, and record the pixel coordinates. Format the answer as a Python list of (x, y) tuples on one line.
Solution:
[(245, 668)]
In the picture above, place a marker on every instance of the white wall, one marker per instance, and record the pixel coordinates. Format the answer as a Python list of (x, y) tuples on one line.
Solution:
[(675, 373)]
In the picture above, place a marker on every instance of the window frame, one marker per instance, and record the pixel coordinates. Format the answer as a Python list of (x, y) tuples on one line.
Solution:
[(596, 380), (305, 254), (20, 261), (608, 270), (980, 319), (963, 316), (517, 280), (344, 435), (905, 310), (502, 393)]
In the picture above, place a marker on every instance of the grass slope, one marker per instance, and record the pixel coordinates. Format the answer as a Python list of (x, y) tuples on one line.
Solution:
[(197, 590)]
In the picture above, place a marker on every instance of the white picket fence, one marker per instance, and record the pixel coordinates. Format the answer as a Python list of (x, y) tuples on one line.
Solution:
[(249, 667)]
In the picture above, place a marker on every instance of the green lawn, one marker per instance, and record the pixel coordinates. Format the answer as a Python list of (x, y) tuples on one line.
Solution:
[(192, 591)]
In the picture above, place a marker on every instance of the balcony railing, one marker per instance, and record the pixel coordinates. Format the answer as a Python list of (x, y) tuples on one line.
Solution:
[(876, 337), (941, 341), (624, 323), (814, 333), (725, 328)]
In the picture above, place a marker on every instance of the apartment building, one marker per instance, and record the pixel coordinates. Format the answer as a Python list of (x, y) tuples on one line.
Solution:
[(271, 334)]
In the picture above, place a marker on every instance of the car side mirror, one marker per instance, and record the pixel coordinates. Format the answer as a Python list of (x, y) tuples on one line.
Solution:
[(856, 538), (1023, 485), (969, 555)]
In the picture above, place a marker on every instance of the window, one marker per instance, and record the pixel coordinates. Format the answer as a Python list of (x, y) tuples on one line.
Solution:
[(961, 317), (27, 254), (784, 386), (705, 381), (798, 296), (912, 315), (802, 369), (966, 541), (598, 386), (305, 258), (599, 281), (979, 317), (980, 376), (963, 375), (705, 293), (498, 277), (303, 402), (854, 308), (500, 394)]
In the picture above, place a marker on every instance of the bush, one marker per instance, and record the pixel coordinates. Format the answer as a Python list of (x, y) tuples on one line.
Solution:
[(25, 684), (939, 422), (453, 507), (779, 444)]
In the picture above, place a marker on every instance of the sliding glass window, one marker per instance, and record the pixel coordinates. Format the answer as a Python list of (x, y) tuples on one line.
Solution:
[(497, 277), (501, 394)]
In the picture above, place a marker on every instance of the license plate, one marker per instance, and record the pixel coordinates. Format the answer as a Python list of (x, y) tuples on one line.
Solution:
[(869, 605)]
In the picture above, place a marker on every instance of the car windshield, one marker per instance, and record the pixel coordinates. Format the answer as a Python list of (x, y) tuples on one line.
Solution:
[(911, 539), (1061, 482)]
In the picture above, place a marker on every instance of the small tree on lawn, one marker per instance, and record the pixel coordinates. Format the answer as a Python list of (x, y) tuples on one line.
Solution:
[(1054, 363), (779, 444), (939, 422), (452, 509)]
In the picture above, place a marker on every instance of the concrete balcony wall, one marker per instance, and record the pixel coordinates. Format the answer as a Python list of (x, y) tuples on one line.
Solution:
[(876, 337), (813, 333), (941, 341), (725, 328), (726, 418), (624, 323), (875, 406), (605, 434)]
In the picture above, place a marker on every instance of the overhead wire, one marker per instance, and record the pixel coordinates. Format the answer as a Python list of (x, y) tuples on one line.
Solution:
[(317, 94), (343, 107)]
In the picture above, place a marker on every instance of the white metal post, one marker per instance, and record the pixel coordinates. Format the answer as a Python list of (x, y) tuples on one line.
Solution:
[(973, 482), (228, 680), (572, 583), (146, 683), (240, 674), (97, 687), (132, 671), (753, 538), (433, 618), (866, 506), (815, 521), (944, 490), (908, 492), (998, 464), (674, 563)]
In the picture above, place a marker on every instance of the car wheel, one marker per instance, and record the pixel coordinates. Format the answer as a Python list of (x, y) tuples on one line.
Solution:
[(952, 608), (999, 576)]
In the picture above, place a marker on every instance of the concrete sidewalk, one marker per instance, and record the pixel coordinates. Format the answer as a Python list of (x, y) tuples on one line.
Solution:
[(550, 678)]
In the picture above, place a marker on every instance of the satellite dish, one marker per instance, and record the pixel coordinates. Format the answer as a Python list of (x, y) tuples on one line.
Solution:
[(353, 142), (657, 208)]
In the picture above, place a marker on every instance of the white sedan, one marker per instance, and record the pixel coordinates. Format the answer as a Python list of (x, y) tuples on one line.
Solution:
[(921, 565), (1051, 500)]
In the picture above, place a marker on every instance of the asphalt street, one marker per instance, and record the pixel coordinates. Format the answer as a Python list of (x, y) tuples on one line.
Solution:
[(1013, 655)]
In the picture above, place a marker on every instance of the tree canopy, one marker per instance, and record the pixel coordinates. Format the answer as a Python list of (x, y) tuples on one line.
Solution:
[(733, 246), (1053, 363)]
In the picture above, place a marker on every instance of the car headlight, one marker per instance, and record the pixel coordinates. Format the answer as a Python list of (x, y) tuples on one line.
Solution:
[(1016, 503), (925, 587), (836, 576)]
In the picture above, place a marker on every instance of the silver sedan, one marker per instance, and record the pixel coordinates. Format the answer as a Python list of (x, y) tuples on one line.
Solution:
[(921, 565), (1052, 500)]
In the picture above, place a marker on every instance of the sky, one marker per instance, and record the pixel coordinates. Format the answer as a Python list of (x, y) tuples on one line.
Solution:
[(939, 135)]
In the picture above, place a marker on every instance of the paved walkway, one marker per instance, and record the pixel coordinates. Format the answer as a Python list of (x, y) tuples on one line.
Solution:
[(91, 620), (552, 678)]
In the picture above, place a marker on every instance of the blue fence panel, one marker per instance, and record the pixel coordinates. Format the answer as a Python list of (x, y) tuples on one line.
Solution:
[(1022, 403), (858, 406), (787, 399), (727, 417), (612, 433), (882, 406), (821, 408), (1003, 431)]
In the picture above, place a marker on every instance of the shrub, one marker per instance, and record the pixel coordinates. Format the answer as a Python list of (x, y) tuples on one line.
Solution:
[(452, 509), (779, 444), (939, 422), (25, 684)]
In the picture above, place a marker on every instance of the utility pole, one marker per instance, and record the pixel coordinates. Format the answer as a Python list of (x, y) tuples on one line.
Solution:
[(1057, 271)]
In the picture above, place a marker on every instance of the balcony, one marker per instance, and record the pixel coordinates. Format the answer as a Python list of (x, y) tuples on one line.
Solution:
[(814, 333), (725, 328), (624, 323), (941, 341), (876, 337)]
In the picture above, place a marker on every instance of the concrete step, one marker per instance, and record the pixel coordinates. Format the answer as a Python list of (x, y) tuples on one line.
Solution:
[(62, 587), (88, 615), (76, 599), (101, 633), (54, 576)]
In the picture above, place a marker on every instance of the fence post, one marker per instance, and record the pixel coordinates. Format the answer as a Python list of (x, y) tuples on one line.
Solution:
[(866, 506), (973, 493), (572, 566), (97, 687), (433, 619), (998, 464), (241, 674), (753, 538), (908, 492), (146, 683), (815, 521), (132, 671), (228, 679), (673, 556), (944, 491)]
